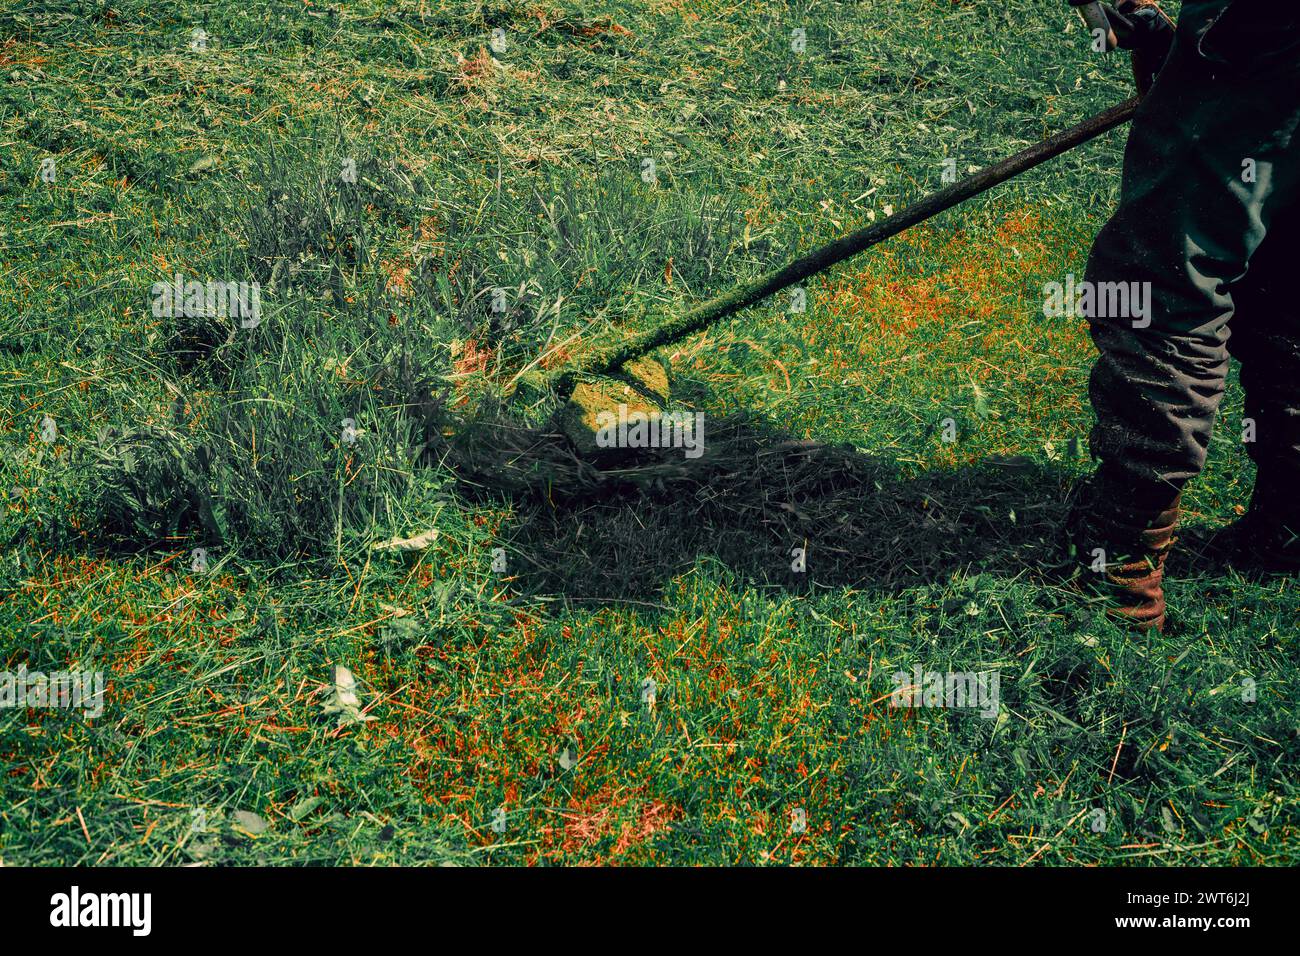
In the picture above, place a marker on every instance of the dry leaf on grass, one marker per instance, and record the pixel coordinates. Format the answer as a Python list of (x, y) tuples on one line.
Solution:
[(421, 542)]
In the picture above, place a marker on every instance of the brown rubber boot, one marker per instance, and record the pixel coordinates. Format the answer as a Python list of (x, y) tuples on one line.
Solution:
[(1121, 539)]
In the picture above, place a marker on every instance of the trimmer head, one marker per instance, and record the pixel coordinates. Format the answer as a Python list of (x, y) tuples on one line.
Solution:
[(641, 385)]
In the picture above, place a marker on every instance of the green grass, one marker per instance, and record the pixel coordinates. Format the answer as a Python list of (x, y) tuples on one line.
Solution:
[(503, 664)]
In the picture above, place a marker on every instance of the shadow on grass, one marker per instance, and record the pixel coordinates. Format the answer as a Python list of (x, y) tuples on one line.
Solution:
[(624, 531)]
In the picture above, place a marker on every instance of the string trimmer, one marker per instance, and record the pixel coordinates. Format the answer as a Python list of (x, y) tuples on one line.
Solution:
[(640, 382)]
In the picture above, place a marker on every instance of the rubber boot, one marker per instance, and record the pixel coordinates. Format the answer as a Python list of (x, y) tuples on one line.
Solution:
[(1266, 539), (1121, 538)]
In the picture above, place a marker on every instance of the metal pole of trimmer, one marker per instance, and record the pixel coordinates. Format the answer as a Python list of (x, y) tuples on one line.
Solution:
[(822, 258)]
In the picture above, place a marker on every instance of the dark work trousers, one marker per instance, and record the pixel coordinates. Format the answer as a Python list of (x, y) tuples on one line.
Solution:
[(1209, 215)]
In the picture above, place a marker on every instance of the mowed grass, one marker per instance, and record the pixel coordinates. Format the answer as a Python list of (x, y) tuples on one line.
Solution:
[(503, 665)]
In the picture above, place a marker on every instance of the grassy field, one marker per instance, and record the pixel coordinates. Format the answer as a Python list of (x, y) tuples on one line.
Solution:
[(379, 167)]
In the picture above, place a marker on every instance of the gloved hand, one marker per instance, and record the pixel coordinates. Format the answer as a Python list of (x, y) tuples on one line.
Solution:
[(1143, 29)]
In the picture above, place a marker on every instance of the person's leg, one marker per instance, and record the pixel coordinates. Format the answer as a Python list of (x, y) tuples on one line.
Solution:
[(1210, 159), (1266, 341)]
